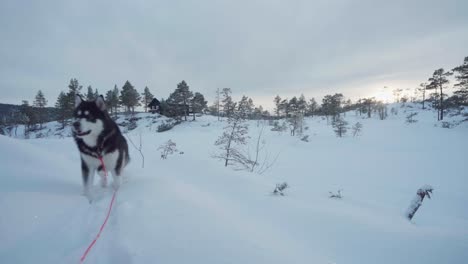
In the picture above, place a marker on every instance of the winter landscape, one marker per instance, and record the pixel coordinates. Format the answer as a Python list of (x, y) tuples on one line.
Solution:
[(328, 147)]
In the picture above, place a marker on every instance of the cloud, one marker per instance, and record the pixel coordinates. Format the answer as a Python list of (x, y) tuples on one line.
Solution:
[(258, 48)]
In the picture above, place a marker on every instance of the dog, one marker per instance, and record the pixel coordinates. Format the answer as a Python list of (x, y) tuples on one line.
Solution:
[(99, 140)]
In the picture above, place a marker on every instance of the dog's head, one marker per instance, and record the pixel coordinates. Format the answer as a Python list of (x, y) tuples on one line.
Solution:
[(89, 117)]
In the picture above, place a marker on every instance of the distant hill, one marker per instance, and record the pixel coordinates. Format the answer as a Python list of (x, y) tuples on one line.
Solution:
[(9, 112)]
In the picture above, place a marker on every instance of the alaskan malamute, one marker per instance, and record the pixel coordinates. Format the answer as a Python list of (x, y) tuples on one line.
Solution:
[(98, 138)]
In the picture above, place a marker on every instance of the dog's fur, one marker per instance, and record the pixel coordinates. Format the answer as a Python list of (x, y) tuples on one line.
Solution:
[(97, 135)]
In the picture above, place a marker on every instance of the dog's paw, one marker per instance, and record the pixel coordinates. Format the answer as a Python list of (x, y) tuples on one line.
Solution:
[(88, 195), (103, 182), (116, 184)]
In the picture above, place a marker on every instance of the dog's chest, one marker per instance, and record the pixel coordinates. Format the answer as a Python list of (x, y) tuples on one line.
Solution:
[(110, 160)]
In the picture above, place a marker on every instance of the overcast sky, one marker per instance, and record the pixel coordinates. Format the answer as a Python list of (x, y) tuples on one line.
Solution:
[(258, 48)]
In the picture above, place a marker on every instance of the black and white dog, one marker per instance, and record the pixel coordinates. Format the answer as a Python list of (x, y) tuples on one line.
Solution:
[(98, 138)]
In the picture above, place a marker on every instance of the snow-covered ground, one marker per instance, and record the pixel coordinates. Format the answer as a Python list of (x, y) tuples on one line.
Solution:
[(191, 209)]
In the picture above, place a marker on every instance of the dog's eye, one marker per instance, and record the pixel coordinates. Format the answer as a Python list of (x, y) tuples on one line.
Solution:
[(86, 112), (79, 112)]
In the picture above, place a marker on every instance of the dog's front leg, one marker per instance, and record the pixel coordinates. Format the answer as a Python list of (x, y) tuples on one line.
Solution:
[(103, 176), (87, 175)]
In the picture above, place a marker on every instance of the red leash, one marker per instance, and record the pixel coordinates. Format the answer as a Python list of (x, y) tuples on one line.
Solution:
[(82, 259)]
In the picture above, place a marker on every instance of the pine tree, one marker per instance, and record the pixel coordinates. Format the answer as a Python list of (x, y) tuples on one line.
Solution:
[(340, 126), (462, 78), (198, 103), (74, 89), (312, 107), (438, 81), (96, 94), (422, 90), (62, 108), (40, 102), (29, 116), (109, 98), (112, 100), (146, 98), (277, 102), (181, 97), (90, 96), (284, 106), (217, 103), (115, 99), (129, 97), (250, 108), (244, 107), (397, 94), (227, 103), (368, 104), (302, 104), (235, 134), (331, 105)]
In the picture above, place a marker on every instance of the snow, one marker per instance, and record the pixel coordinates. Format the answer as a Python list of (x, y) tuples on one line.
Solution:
[(189, 208)]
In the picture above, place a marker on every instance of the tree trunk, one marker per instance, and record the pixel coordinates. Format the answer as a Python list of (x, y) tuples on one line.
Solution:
[(424, 99), (441, 104), (229, 144)]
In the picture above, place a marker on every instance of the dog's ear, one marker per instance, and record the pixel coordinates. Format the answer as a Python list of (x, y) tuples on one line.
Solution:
[(101, 104), (78, 100)]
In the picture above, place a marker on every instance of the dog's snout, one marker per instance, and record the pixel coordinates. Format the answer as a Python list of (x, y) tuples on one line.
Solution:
[(76, 125)]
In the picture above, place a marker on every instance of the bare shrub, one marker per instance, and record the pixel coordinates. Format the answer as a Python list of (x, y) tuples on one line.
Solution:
[(357, 129), (139, 148), (336, 195), (167, 149), (280, 187)]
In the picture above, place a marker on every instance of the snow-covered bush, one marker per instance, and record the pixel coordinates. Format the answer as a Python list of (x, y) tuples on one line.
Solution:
[(446, 124), (167, 149), (279, 127), (340, 126), (410, 118), (422, 192), (166, 125), (305, 138)]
